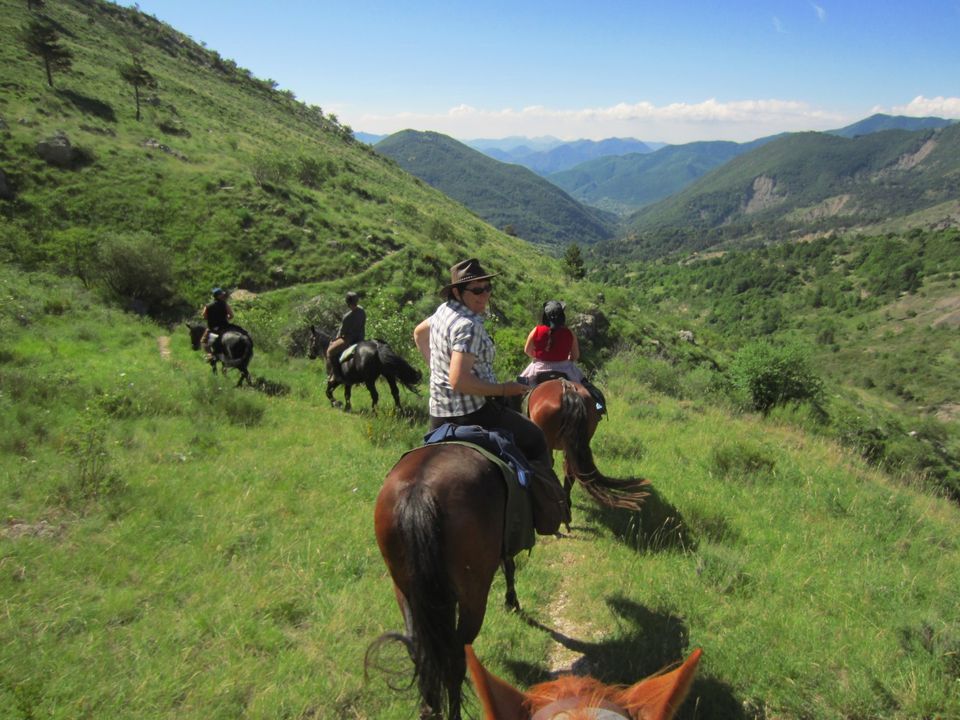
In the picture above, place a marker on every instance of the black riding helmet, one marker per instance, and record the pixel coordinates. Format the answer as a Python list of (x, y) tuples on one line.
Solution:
[(553, 314)]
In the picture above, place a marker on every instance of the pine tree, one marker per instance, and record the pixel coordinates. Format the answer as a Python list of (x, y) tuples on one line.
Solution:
[(573, 262), (139, 77), (42, 39)]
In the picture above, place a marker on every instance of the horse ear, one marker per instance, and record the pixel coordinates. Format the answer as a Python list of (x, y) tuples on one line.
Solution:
[(500, 700), (659, 697)]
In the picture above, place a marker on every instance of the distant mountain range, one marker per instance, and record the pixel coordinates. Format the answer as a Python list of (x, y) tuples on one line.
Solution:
[(625, 183), (509, 197), (804, 183), (564, 155)]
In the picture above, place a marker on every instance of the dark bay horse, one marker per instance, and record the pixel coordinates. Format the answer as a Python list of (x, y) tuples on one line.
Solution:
[(235, 350), (439, 522), (568, 416), (371, 360), (569, 697)]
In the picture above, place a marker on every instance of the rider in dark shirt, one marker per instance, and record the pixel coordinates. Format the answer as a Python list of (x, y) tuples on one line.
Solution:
[(218, 315), (351, 331)]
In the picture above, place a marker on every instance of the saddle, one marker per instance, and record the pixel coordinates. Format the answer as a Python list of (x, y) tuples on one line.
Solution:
[(498, 448), (348, 353)]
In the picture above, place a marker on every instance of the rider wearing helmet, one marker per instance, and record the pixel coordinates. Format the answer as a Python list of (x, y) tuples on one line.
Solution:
[(218, 315)]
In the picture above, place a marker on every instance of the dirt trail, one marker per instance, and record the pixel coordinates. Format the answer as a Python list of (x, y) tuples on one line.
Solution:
[(562, 659), (163, 345)]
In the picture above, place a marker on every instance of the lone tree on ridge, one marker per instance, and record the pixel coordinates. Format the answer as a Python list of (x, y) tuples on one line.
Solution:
[(42, 39), (138, 76)]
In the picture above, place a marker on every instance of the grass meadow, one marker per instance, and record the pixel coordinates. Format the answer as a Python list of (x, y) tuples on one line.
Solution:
[(172, 547)]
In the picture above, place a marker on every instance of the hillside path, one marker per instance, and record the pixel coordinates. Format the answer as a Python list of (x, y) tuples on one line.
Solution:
[(163, 345)]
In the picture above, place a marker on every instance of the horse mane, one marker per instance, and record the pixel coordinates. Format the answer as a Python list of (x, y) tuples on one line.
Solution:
[(589, 690)]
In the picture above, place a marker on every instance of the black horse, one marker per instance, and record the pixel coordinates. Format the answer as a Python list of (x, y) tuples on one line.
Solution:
[(234, 349), (370, 360)]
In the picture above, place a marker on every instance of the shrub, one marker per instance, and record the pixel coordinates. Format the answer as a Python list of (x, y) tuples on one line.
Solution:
[(138, 272), (741, 459), (772, 375)]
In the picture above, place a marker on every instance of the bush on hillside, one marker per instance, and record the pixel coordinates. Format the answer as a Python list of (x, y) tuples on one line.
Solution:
[(138, 272), (771, 375)]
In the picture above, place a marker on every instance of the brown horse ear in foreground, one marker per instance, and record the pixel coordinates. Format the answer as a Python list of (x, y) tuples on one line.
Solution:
[(656, 698)]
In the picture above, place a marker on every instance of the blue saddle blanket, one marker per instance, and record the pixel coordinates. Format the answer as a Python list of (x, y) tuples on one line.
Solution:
[(497, 442)]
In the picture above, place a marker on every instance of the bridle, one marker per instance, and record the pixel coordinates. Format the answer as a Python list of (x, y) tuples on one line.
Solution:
[(560, 710)]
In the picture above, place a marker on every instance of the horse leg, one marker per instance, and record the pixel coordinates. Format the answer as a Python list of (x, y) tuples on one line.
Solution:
[(509, 571), (346, 396), (394, 390), (332, 383), (568, 478), (374, 395)]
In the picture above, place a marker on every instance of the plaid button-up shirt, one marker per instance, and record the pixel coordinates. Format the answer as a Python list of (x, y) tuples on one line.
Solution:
[(454, 327)]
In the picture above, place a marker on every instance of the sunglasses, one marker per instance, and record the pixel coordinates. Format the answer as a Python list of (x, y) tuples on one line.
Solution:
[(481, 290)]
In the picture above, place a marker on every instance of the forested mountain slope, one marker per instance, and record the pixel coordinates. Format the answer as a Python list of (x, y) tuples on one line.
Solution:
[(807, 183), (506, 196), (626, 183)]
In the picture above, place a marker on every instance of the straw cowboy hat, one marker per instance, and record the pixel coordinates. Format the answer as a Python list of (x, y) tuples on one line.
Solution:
[(466, 271)]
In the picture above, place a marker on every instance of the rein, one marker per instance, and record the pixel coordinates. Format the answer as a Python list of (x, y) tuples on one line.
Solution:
[(560, 710)]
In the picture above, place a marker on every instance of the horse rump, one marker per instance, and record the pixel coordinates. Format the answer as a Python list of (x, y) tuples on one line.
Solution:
[(430, 601)]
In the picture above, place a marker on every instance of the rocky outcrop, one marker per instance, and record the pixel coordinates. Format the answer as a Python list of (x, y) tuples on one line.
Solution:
[(764, 195), (58, 151)]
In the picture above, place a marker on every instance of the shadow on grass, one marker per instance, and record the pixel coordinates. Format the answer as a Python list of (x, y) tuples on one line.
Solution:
[(648, 642), (658, 527), (89, 105)]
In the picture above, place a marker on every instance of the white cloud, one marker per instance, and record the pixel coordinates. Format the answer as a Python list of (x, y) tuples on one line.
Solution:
[(920, 106), (821, 12), (740, 120)]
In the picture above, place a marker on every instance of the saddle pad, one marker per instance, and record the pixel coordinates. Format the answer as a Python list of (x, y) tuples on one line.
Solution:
[(518, 531), (348, 353)]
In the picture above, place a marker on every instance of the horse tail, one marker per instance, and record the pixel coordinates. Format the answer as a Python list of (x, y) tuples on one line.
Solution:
[(395, 366), (431, 600), (575, 439)]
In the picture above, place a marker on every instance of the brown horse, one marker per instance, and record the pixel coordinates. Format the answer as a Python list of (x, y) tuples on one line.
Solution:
[(570, 697), (568, 416), (439, 521)]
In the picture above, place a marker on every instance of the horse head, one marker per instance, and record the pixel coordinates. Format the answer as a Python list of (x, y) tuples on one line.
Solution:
[(317, 344), (573, 698), (196, 332)]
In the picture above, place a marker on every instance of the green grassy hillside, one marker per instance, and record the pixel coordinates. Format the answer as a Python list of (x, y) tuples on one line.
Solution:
[(172, 547), (879, 315), (805, 183), (224, 180), (506, 196)]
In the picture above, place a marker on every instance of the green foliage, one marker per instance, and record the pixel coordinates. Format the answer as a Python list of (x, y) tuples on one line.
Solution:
[(138, 272), (40, 37), (742, 460), (573, 262), (772, 375), (506, 196), (139, 77), (93, 476)]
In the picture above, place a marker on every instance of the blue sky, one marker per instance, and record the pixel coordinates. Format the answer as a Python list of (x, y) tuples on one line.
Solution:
[(665, 70)]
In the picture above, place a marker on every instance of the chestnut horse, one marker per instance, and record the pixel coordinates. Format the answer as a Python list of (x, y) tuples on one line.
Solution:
[(656, 698), (568, 416), (439, 521)]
